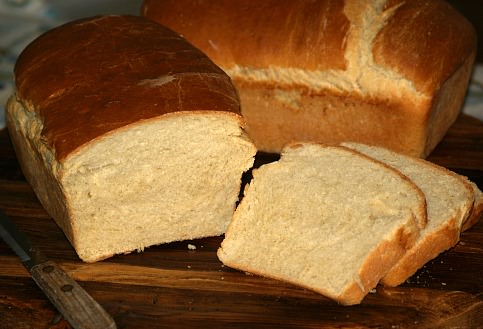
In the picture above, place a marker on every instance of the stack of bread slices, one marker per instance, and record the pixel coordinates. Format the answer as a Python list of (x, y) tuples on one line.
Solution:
[(341, 219)]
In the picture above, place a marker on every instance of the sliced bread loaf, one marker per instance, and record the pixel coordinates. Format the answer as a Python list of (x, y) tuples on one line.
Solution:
[(129, 135), (449, 200), (326, 218)]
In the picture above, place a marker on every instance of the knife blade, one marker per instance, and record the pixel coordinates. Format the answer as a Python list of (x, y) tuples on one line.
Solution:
[(72, 301)]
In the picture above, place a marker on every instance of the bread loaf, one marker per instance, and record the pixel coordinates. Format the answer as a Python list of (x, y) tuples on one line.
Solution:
[(449, 197), (129, 135), (391, 73), (325, 218)]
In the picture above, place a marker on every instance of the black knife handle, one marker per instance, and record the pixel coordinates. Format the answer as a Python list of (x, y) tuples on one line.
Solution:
[(72, 301)]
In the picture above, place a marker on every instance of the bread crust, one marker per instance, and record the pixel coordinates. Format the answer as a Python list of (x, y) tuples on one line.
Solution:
[(427, 249), (137, 70), (277, 115), (419, 50), (431, 245), (406, 59), (259, 34)]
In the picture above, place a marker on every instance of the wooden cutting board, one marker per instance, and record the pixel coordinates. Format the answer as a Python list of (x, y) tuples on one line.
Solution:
[(183, 285)]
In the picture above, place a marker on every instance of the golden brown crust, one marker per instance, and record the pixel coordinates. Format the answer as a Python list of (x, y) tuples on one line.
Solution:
[(224, 31), (446, 105), (431, 246), (279, 116), (425, 41), (95, 75), (382, 259)]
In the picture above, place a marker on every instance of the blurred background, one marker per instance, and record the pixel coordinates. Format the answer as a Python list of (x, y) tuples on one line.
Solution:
[(473, 10), (23, 20)]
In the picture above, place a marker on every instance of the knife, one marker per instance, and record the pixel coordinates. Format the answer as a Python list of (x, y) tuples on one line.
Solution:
[(72, 301)]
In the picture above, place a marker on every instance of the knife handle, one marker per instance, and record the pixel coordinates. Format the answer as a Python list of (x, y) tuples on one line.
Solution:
[(72, 301)]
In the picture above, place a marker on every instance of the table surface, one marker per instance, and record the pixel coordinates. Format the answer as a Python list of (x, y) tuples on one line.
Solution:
[(173, 286)]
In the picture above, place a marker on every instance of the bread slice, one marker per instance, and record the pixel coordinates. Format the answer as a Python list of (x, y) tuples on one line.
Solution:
[(326, 218), (449, 200)]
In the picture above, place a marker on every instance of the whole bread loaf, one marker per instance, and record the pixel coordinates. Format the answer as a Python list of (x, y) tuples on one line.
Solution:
[(326, 218), (128, 134), (391, 73)]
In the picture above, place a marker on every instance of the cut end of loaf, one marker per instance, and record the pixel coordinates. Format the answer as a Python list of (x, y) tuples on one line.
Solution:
[(164, 180), (170, 178)]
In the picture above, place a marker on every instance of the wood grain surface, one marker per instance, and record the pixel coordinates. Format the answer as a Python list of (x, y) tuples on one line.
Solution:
[(177, 286)]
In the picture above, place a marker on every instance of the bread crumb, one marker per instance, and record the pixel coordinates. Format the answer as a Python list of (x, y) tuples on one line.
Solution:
[(373, 291), (191, 246)]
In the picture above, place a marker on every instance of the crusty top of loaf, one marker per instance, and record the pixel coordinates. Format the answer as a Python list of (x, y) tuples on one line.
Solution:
[(309, 34), (92, 76), (425, 40), (422, 41)]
